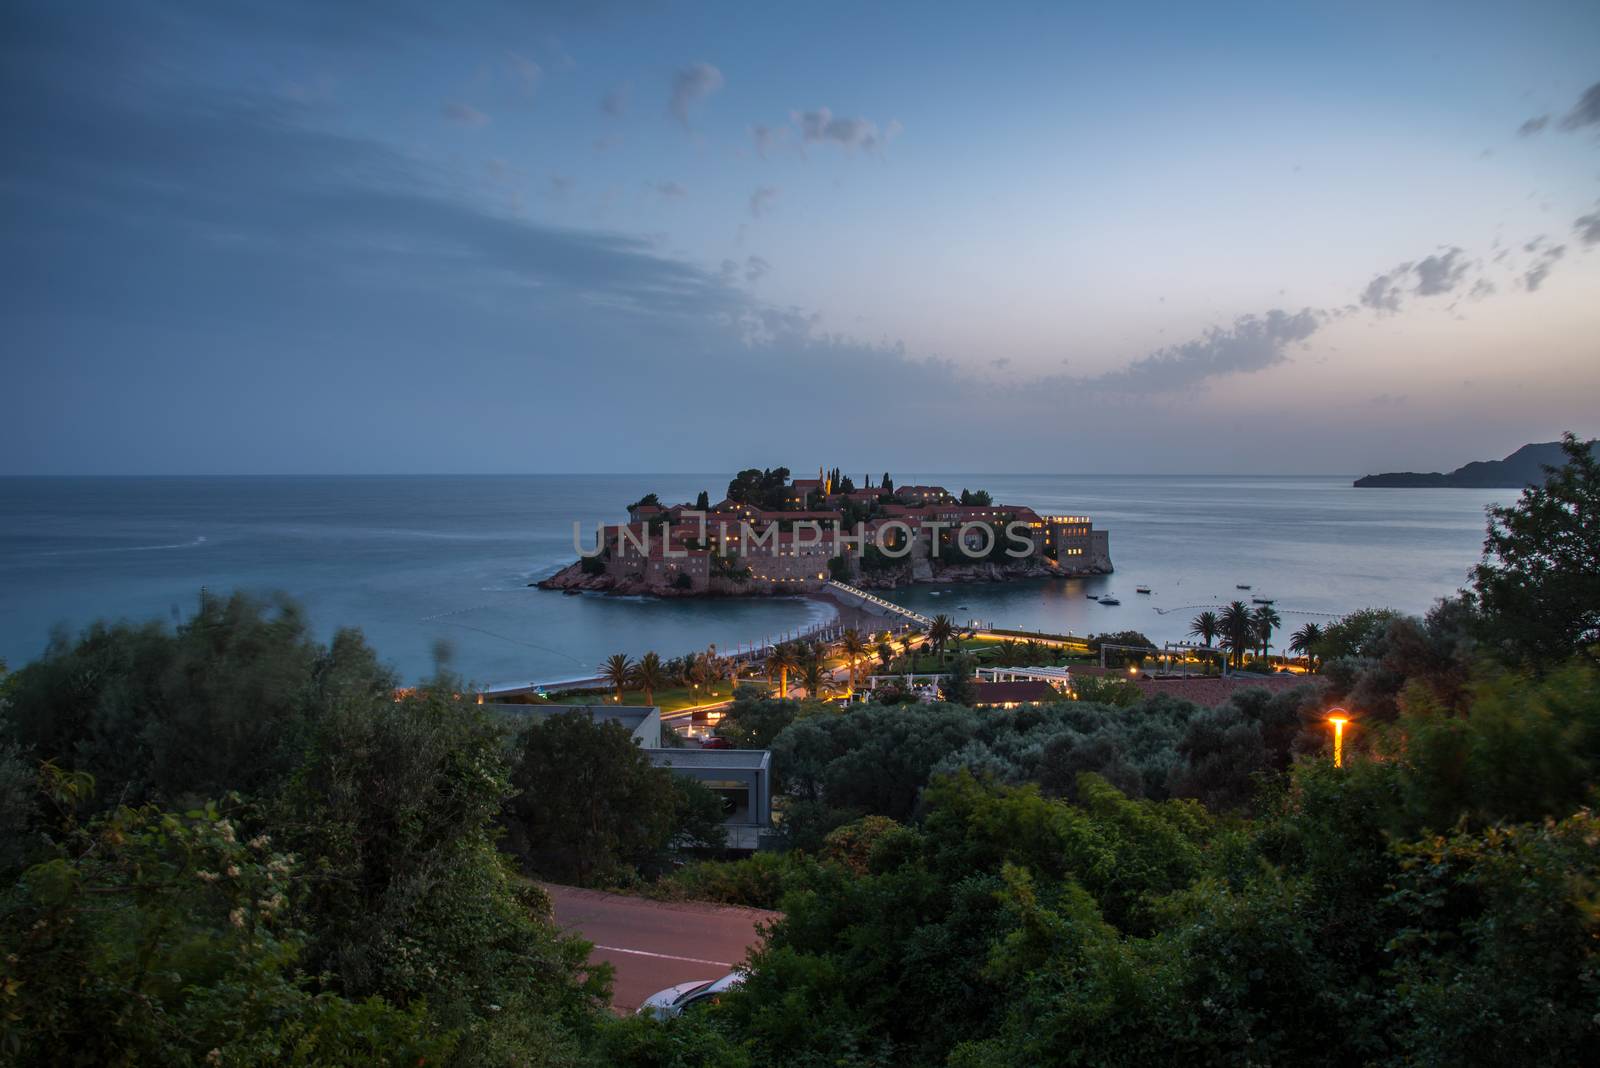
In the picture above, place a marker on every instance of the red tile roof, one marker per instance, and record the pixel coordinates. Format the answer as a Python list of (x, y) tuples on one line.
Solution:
[(1024, 692), (1200, 690)]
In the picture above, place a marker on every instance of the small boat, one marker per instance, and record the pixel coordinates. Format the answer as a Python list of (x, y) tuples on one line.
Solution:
[(1141, 589), (1242, 586), (1092, 596), (1109, 600), (1261, 600)]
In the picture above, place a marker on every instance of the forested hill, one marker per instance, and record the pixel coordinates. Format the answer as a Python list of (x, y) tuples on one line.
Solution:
[(1521, 468)]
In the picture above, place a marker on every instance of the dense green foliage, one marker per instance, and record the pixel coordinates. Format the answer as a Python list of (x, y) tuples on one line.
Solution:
[(227, 702), (228, 844), (760, 488), (1539, 583), (876, 759), (1437, 906), (590, 807)]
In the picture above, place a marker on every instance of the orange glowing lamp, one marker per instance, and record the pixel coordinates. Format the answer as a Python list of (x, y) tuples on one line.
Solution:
[(1338, 717)]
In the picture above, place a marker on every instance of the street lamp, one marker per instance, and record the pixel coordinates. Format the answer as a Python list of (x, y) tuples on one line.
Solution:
[(1338, 717)]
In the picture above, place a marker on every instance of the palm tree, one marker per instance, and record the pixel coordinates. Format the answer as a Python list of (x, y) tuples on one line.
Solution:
[(618, 671), (781, 659), (1305, 641), (811, 673), (1266, 619), (1206, 627), (885, 650), (941, 631), (855, 647), (690, 669), (649, 674), (1238, 631)]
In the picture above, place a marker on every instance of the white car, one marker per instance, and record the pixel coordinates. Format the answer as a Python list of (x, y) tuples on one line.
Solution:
[(674, 1000)]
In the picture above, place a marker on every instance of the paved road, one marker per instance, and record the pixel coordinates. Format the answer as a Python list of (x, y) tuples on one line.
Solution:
[(655, 944)]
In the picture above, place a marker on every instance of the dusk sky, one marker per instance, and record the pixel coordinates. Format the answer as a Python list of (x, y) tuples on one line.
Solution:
[(417, 237)]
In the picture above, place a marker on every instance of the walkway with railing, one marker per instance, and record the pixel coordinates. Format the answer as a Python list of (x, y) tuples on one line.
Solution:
[(915, 617)]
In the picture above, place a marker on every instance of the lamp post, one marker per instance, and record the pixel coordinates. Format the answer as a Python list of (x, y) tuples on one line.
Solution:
[(1338, 717)]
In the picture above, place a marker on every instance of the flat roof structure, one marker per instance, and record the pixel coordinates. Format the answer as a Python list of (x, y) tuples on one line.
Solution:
[(743, 778), (1012, 694), (641, 721)]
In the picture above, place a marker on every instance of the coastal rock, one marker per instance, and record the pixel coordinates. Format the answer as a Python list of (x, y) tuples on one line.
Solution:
[(573, 577)]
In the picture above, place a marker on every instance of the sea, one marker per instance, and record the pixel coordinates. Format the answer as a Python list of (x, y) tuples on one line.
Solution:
[(435, 568)]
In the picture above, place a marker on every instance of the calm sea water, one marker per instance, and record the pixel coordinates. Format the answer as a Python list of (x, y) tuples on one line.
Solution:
[(411, 560)]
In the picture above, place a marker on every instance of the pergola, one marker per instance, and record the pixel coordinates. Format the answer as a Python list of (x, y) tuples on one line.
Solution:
[(1059, 677)]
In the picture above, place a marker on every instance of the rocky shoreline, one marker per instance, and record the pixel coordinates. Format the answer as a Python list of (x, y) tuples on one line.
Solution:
[(575, 579)]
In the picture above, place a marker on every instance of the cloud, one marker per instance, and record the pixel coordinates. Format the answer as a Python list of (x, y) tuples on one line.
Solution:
[(1540, 270), (762, 199), (1251, 343), (1533, 126), (1440, 273), (1383, 293), (1588, 228), (670, 190), (463, 114), (691, 85), (755, 268), (615, 102), (822, 125), (527, 71), (768, 137), (1586, 112)]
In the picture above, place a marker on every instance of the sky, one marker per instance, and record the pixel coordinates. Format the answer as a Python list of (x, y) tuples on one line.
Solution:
[(406, 237)]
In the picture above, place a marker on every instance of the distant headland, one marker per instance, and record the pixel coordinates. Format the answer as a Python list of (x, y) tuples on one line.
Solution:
[(771, 535), (1523, 467)]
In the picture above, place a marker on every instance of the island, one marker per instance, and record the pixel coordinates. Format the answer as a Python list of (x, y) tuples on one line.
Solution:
[(1524, 467), (770, 535)]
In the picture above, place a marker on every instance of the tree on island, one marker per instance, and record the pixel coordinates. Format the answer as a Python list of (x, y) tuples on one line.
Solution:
[(649, 500), (618, 671), (760, 488), (726, 565), (976, 498), (1539, 582), (702, 503)]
